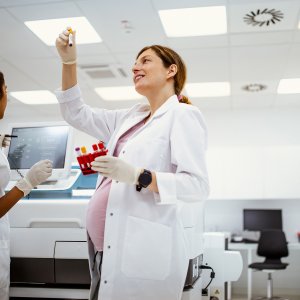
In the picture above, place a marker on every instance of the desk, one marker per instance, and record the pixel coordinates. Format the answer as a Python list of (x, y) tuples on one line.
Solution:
[(249, 248)]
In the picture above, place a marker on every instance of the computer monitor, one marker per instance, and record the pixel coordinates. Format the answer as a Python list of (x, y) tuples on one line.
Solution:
[(260, 219), (37, 141)]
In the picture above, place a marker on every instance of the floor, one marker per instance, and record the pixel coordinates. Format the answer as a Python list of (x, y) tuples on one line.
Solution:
[(245, 298), (235, 297)]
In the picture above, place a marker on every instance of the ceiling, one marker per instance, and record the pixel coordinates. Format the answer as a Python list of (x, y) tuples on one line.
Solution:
[(247, 54)]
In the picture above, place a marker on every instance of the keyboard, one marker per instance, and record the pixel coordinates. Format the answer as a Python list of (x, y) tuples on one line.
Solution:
[(249, 241)]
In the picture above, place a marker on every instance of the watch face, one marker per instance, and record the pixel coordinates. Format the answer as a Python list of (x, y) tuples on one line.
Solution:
[(145, 178)]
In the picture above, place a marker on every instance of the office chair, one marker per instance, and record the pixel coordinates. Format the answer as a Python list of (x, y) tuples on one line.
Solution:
[(273, 246)]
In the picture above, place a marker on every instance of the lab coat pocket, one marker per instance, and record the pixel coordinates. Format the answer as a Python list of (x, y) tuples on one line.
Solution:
[(4, 263), (147, 250)]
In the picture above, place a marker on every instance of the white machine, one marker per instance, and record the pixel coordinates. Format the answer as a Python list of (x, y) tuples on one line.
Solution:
[(227, 265), (58, 266)]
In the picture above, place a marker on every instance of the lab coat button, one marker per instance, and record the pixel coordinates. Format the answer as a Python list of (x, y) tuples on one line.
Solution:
[(105, 281), (108, 247), (123, 151), (111, 214)]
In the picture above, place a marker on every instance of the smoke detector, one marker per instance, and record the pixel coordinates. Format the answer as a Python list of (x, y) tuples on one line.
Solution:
[(263, 17), (254, 87), (126, 26)]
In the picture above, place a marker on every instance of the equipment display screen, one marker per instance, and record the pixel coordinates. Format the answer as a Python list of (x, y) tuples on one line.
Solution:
[(36, 143)]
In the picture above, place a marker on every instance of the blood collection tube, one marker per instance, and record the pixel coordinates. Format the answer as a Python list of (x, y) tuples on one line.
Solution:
[(86, 157), (102, 148), (80, 158), (70, 38), (96, 152)]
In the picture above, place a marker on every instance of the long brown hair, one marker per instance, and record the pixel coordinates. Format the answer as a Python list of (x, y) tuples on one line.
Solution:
[(170, 57), (2, 82)]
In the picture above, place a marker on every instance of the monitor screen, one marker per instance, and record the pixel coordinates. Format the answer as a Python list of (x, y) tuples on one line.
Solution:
[(38, 141), (260, 219)]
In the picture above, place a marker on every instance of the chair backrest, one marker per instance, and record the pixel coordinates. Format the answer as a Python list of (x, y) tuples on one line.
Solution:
[(272, 244)]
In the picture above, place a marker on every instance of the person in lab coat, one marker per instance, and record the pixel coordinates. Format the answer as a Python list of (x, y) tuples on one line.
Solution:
[(155, 166), (36, 175)]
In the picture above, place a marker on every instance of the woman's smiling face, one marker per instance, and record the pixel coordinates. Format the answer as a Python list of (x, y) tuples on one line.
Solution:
[(149, 72)]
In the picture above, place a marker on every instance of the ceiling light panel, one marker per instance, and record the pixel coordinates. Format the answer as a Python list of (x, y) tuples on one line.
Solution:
[(35, 97), (196, 21), (118, 93), (208, 89), (48, 30), (289, 86)]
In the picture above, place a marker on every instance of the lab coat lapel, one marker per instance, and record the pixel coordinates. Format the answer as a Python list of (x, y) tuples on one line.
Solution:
[(173, 100), (129, 123)]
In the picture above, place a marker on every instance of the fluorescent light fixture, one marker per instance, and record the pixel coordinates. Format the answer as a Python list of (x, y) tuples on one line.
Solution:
[(48, 30), (208, 89), (35, 97), (196, 21), (289, 86), (83, 193), (118, 93)]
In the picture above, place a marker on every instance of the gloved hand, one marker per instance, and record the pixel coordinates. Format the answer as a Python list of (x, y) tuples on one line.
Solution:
[(67, 54), (37, 174), (4, 141), (116, 169)]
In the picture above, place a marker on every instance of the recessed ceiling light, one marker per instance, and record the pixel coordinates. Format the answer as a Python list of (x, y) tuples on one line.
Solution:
[(254, 87), (48, 30), (263, 17), (194, 21), (118, 93), (35, 97), (208, 89), (289, 86)]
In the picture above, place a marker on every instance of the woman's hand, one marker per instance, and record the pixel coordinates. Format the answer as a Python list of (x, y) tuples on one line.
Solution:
[(66, 52), (4, 141), (116, 169)]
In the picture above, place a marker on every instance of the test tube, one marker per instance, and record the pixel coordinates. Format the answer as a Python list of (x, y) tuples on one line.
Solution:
[(79, 158), (70, 41), (85, 156)]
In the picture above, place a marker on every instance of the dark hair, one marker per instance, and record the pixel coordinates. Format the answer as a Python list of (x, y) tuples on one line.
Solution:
[(2, 82), (170, 57)]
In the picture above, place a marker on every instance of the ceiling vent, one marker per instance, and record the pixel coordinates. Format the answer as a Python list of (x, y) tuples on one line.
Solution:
[(98, 72), (254, 87), (263, 17)]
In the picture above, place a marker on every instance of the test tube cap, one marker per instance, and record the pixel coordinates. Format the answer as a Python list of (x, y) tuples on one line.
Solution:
[(101, 145), (95, 147), (83, 149)]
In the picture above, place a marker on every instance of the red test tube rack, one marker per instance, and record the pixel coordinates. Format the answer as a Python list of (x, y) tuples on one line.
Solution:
[(85, 159)]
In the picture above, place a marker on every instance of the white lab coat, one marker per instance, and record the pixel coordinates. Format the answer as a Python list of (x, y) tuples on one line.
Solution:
[(4, 232), (145, 247)]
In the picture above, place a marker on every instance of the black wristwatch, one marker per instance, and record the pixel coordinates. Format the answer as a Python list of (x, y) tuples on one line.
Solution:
[(144, 180)]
